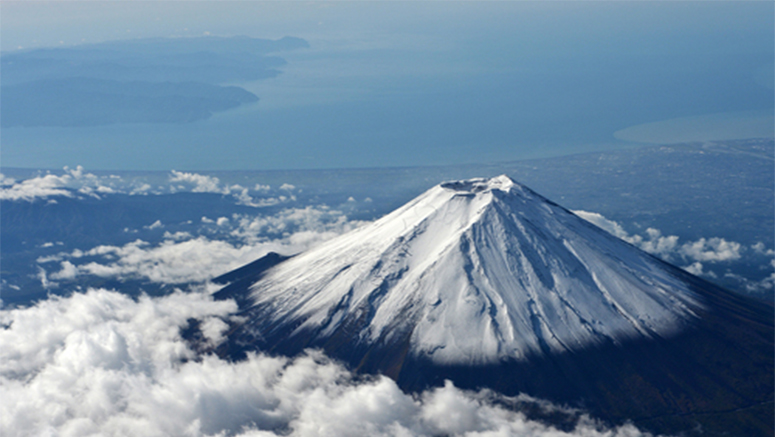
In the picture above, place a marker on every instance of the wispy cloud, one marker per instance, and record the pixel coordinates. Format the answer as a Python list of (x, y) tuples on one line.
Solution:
[(100, 363)]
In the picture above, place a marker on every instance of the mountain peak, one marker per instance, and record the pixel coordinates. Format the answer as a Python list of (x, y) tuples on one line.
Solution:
[(488, 284), (472, 271), (478, 185)]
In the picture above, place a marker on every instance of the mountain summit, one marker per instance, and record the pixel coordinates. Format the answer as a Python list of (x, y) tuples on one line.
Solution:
[(487, 283), (475, 272)]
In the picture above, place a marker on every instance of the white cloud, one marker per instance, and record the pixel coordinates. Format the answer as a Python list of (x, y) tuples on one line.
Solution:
[(694, 268), (100, 363), (38, 187), (656, 244), (243, 198), (6, 181), (180, 235), (762, 250), (211, 184), (50, 185), (180, 258), (603, 223), (667, 247), (311, 220), (68, 271), (155, 225), (76, 182), (140, 189), (44, 280), (201, 183), (765, 285), (171, 262), (713, 249)]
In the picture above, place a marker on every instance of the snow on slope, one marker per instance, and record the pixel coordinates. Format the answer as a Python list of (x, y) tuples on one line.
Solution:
[(477, 271)]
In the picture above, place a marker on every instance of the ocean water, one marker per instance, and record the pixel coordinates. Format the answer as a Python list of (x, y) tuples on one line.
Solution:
[(461, 84)]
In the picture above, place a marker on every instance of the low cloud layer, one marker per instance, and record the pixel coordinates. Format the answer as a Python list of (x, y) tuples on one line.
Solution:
[(171, 262), (100, 363), (77, 182), (71, 183), (45, 186), (182, 258)]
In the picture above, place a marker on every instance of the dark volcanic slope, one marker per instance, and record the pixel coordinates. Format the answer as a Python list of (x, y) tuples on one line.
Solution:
[(718, 375)]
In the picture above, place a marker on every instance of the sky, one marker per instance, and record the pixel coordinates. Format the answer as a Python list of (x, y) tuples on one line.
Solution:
[(425, 83)]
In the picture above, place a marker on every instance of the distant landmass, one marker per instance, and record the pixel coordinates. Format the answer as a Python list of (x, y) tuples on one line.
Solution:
[(159, 80), (211, 60), (92, 102), (708, 127)]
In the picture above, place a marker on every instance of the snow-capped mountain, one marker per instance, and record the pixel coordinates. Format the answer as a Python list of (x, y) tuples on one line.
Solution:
[(489, 284), (478, 271)]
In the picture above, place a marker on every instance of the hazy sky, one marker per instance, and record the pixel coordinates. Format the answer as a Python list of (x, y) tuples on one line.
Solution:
[(424, 83), (713, 26)]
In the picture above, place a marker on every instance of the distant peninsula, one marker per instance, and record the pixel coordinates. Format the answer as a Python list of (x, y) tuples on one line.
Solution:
[(159, 80)]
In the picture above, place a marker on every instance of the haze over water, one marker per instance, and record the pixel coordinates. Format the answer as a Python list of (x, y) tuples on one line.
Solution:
[(404, 84)]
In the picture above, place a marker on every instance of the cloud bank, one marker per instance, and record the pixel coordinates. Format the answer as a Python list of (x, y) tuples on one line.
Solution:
[(667, 247), (75, 182), (48, 185), (693, 255), (182, 258), (71, 183), (100, 363)]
